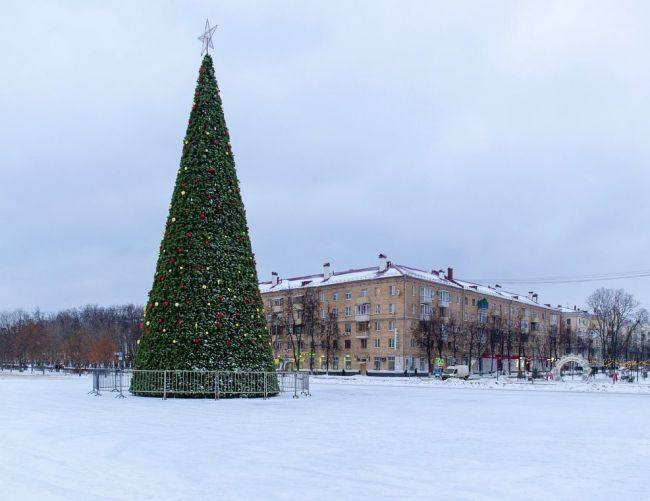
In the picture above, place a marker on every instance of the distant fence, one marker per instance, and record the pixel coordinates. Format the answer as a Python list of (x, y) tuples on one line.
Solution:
[(201, 384)]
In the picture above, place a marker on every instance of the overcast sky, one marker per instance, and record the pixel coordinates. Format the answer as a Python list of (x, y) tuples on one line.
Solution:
[(504, 139)]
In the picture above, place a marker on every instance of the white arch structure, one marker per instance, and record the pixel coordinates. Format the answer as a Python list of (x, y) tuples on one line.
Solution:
[(578, 359)]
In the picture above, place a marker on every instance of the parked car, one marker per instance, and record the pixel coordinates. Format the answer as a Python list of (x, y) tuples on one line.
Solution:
[(456, 371)]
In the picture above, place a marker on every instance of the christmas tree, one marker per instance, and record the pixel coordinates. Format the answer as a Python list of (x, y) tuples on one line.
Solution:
[(205, 310)]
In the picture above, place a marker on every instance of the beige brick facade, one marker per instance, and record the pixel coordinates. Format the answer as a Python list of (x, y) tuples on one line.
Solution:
[(378, 308)]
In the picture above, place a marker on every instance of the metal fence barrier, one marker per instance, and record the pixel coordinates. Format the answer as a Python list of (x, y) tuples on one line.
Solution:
[(201, 384)]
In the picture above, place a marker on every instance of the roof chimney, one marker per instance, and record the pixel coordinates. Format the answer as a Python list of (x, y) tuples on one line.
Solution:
[(535, 296), (326, 271), (450, 273), (382, 262), (497, 286), (530, 295), (274, 278)]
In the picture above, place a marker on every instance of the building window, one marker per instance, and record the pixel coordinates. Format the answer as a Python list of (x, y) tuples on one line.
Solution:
[(335, 312), (377, 363), (391, 308), (321, 297), (335, 344), (377, 326), (335, 363), (348, 344), (482, 316), (323, 363), (348, 327), (422, 364), (457, 299), (392, 290), (364, 292), (277, 345), (322, 312), (364, 344), (278, 301), (413, 309), (362, 309), (466, 301), (348, 362), (473, 301), (391, 363), (348, 294), (391, 325), (377, 291), (413, 290), (377, 308), (348, 311), (391, 342), (289, 345), (414, 342), (377, 343), (363, 327), (444, 296), (335, 296)]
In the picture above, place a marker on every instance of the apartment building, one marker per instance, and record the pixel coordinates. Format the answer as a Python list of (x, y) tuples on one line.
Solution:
[(377, 310)]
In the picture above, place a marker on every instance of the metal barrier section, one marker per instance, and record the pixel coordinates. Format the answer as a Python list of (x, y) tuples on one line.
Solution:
[(199, 384)]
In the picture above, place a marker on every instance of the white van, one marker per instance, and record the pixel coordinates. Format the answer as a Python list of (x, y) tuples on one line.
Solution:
[(456, 371)]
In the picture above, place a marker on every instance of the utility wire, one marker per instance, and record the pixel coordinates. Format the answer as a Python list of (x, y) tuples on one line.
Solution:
[(567, 279)]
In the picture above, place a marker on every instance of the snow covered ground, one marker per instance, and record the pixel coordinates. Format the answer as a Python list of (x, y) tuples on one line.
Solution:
[(354, 438)]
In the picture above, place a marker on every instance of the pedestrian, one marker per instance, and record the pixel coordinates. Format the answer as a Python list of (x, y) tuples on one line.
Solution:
[(416, 372), (342, 372), (406, 372)]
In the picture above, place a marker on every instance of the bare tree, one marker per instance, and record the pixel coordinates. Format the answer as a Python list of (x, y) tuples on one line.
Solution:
[(428, 333), (614, 309), (311, 322), (329, 335), (293, 325)]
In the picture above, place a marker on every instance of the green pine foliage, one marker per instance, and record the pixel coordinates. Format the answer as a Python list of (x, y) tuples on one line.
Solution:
[(205, 310)]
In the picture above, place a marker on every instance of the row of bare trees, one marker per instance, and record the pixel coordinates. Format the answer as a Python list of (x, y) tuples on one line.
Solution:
[(616, 331), (305, 325), (83, 337), (494, 338)]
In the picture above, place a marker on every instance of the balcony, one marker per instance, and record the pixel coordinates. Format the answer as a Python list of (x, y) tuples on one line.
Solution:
[(277, 309), (442, 303), (361, 335), (362, 317)]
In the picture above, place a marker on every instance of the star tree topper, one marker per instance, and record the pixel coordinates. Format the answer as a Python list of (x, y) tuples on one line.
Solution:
[(206, 38)]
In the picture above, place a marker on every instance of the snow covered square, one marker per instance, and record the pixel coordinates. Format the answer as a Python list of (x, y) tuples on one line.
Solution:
[(354, 438)]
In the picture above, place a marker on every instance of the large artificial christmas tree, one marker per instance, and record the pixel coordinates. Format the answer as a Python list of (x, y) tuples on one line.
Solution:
[(205, 310)]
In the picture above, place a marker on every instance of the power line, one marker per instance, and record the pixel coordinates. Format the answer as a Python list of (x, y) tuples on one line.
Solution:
[(567, 279)]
